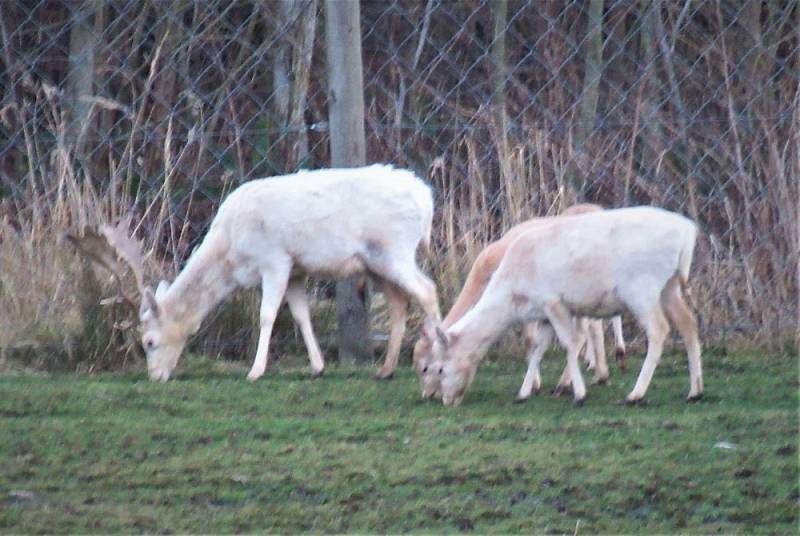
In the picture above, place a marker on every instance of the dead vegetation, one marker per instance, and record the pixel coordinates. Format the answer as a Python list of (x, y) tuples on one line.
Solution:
[(139, 109)]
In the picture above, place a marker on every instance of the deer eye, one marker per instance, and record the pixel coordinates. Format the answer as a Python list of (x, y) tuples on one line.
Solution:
[(425, 369), (149, 344), (441, 370)]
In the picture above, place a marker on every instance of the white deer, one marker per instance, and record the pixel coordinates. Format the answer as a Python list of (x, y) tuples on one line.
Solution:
[(538, 335), (589, 265), (275, 231)]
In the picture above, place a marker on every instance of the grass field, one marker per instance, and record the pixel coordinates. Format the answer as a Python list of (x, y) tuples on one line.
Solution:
[(211, 452)]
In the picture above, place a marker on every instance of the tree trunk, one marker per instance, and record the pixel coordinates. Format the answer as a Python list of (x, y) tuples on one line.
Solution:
[(652, 139), (301, 60), (348, 149), (587, 107), (291, 74), (105, 118), (12, 156), (593, 61), (499, 75), (280, 79), (80, 77)]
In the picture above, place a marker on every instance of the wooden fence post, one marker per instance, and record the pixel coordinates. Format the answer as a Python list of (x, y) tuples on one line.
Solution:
[(348, 149)]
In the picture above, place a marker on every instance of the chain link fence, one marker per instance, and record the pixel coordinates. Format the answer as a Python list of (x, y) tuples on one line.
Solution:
[(510, 108)]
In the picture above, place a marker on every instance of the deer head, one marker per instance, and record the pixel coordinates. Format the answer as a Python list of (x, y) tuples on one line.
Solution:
[(114, 249)]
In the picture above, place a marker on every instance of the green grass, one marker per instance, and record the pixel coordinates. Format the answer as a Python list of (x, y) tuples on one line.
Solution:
[(211, 452)]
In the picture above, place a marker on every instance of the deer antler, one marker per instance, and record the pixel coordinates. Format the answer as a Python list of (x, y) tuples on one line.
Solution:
[(127, 249), (114, 249)]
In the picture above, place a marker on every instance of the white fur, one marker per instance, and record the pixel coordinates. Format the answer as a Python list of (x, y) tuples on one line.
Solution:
[(541, 334), (274, 231), (591, 265), (538, 335)]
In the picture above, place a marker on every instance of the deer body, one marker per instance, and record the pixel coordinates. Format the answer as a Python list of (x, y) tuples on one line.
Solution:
[(328, 222), (538, 336), (275, 231), (594, 265)]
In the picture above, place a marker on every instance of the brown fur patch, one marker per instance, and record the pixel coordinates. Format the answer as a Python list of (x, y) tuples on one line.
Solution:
[(453, 338), (374, 248), (518, 299), (581, 208), (422, 349)]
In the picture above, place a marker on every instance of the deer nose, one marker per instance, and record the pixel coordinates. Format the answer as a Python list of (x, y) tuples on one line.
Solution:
[(158, 375)]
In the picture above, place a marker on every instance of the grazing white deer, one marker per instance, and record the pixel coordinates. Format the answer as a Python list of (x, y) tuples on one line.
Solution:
[(274, 231), (588, 265), (538, 335)]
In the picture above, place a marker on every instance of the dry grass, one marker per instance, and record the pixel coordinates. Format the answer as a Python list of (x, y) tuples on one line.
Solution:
[(166, 144), (51, 296), (743, 286)]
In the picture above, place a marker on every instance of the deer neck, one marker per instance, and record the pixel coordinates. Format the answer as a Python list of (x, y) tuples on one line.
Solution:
[(474, 332), (204, 282)]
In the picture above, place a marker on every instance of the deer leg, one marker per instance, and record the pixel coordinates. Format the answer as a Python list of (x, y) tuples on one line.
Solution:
[(565, 380), (564, 326), (410, 280), (539, 337), (398, 314), (684, 321), (595, 337), (619, 341), (589, 355), (651, 317), (297, 298), (272, 290), (424, 291)]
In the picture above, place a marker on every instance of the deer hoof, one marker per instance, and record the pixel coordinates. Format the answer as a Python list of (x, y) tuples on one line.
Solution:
[(384, 375), (640, 402), (620, 356)]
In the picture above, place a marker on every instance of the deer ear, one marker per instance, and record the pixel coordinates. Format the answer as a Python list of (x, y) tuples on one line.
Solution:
[(149, 303), (429, 330), (162, 288), (442, 336)]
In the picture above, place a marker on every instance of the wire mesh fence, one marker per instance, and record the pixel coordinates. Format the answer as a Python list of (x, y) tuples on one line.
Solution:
[(511, 109)]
